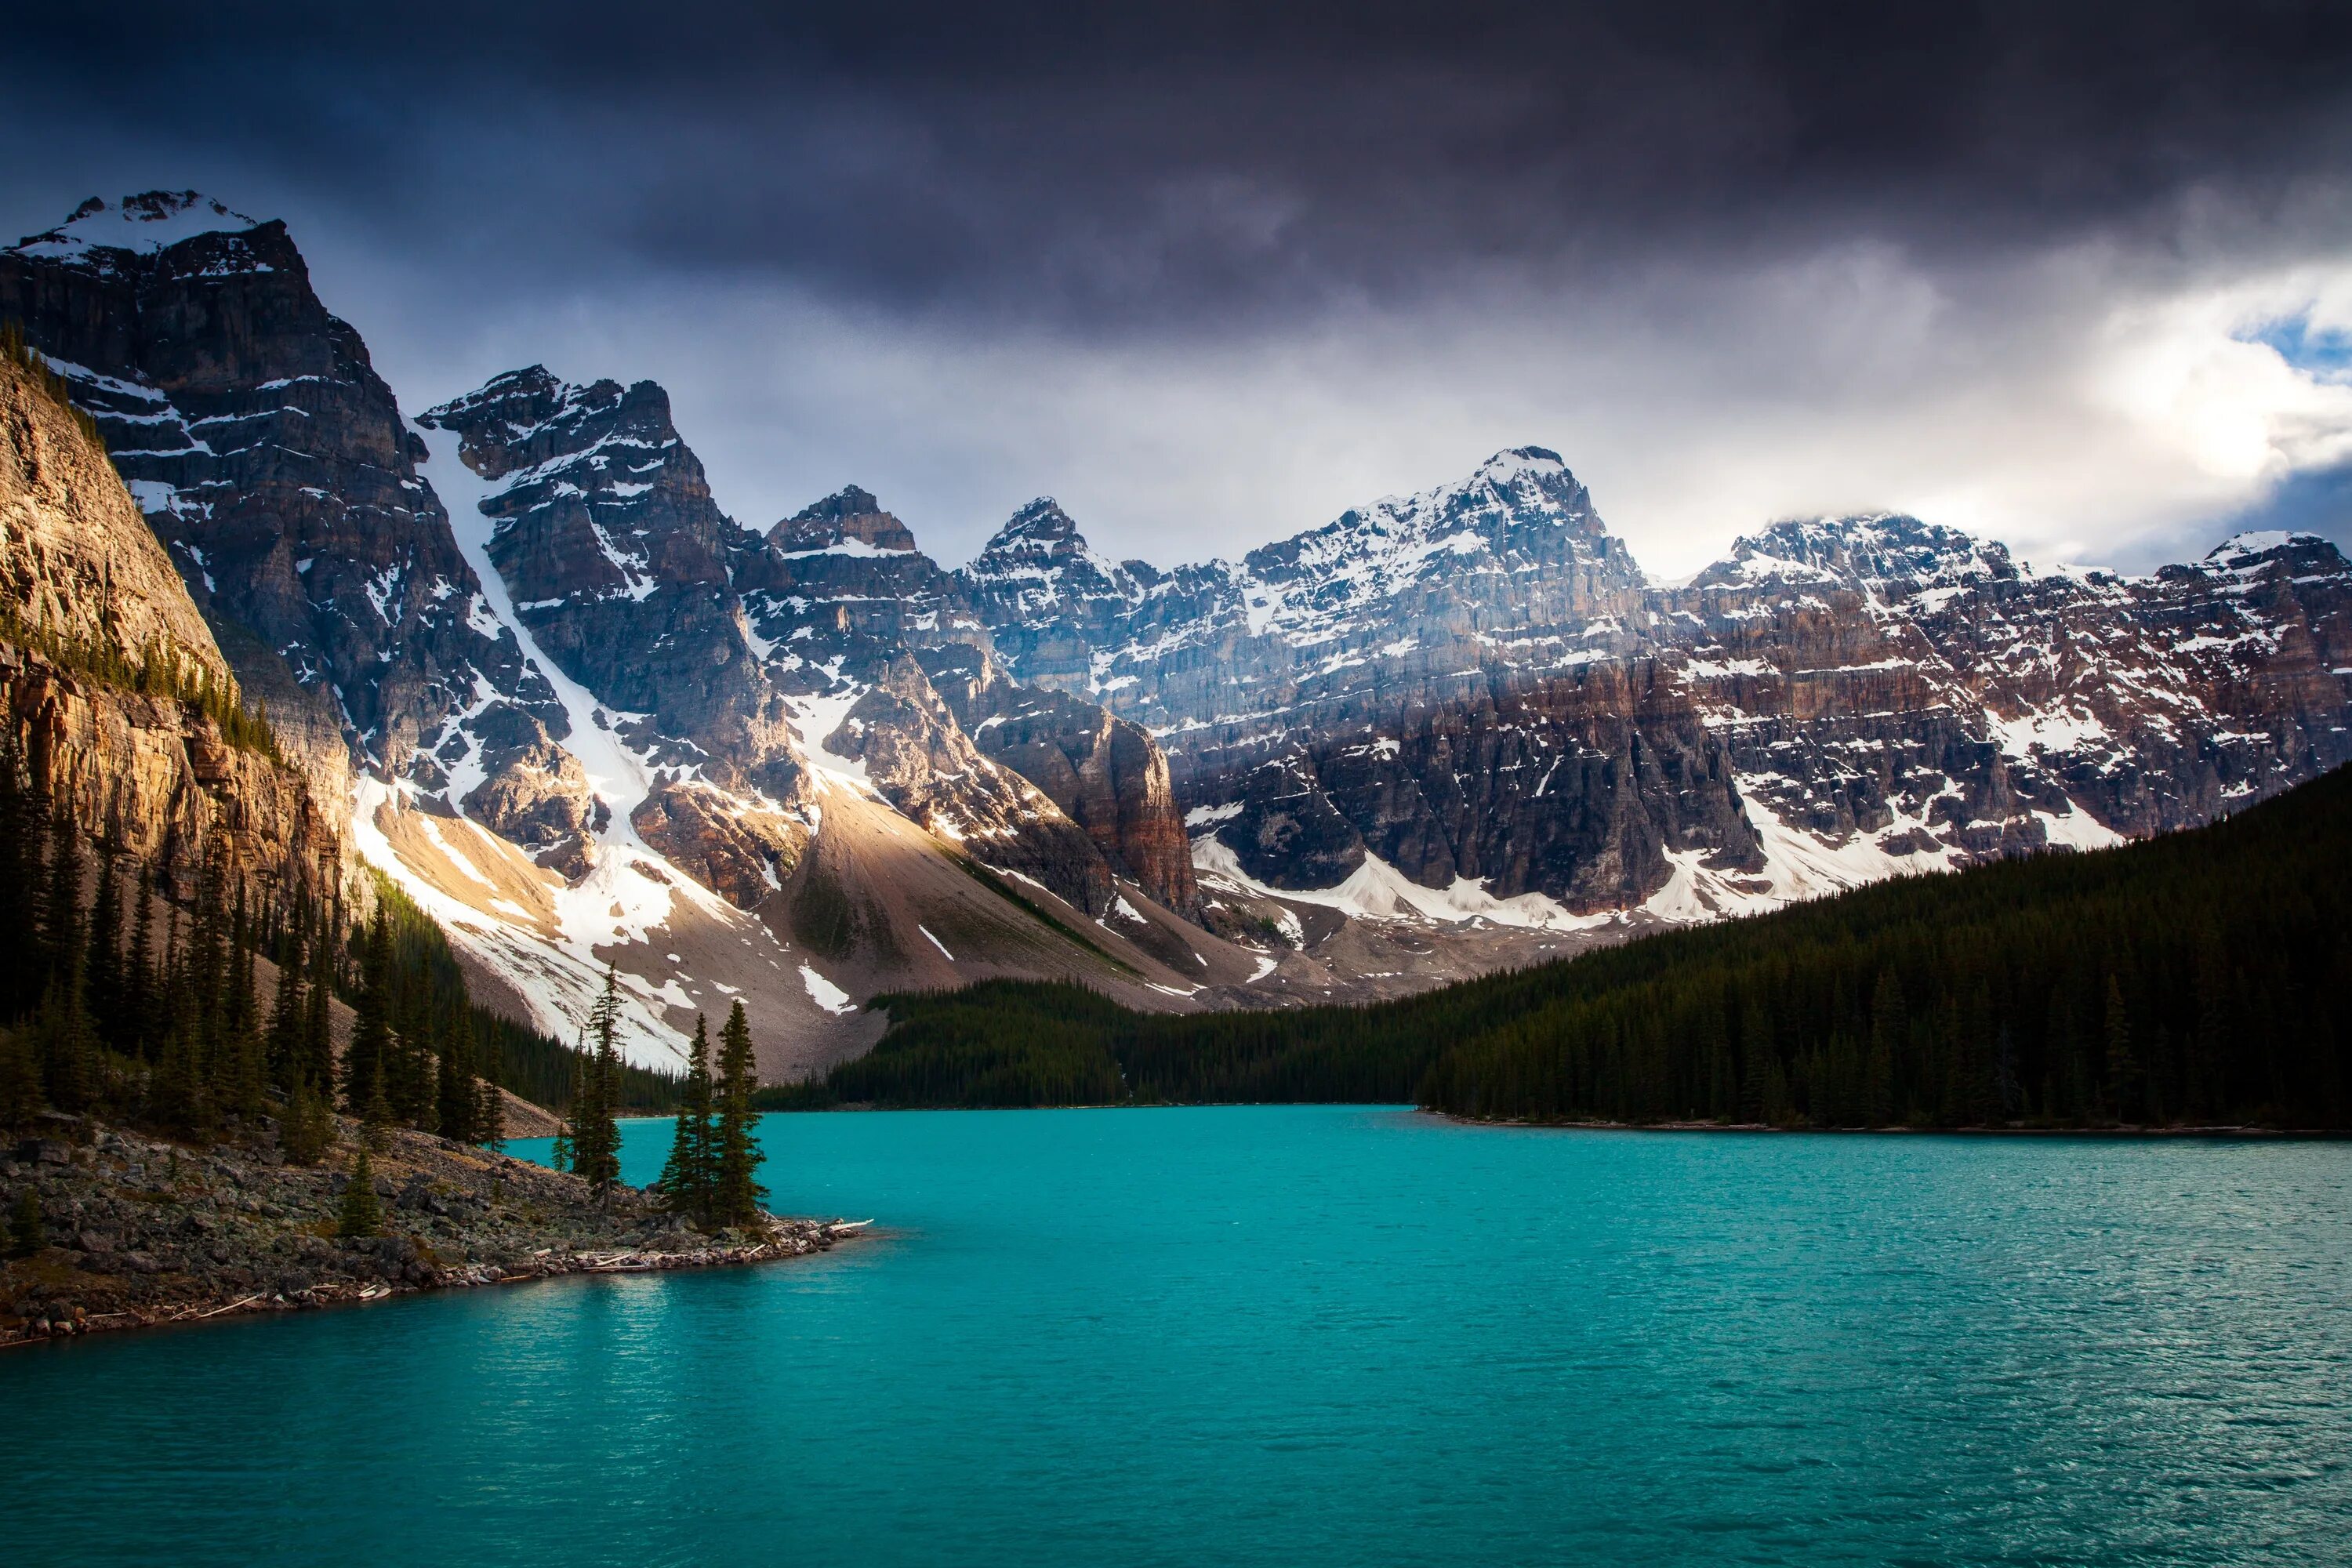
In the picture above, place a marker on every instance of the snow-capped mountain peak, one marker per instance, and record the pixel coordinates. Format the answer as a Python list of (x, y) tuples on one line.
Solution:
[(850, 521), (143, 224), (1891, 551)]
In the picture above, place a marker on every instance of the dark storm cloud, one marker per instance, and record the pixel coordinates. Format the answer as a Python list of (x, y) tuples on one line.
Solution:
[(1213, 272), (1197, 166)]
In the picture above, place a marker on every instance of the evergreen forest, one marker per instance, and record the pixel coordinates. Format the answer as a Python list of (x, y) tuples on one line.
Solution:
[(200, 1016)]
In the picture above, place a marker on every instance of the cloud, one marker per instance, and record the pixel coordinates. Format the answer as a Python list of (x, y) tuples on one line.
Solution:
[(1211, 274)]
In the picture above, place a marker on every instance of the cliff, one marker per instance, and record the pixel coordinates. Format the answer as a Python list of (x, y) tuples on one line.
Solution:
[(92, 589)]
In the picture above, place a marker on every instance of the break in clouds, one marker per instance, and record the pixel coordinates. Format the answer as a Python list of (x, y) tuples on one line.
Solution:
[(2072, 277)]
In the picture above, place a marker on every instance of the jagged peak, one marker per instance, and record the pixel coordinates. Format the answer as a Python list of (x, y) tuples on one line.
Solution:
[(2261, 545), (1860, 547), (850, 522), (1512, 462), (143, 224), (1043, 522)]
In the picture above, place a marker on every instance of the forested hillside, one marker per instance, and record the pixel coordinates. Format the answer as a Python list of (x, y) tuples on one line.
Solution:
[(2195, 979)]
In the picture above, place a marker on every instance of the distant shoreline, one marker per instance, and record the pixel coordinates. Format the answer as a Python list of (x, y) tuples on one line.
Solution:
[(2298, 1134)]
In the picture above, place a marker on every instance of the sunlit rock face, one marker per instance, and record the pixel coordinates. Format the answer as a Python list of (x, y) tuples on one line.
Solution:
[(270, 458)]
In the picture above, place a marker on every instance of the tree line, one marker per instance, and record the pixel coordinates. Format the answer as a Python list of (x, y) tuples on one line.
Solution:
[(118, 1000), (2201, 978)]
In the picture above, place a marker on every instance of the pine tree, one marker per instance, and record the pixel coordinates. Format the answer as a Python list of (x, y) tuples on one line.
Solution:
[(689, 1181), (23, 971), (20, 1077), (308, 1125), (565, 1156), (737, 1195), (288, 1012), (459, 1101), (1889, 1028), (375, 1110), (67, 1045), (102, 953), (62, 938), (2123, 1063), (176, 1095), (365, 1060), (490, 1116), (318, 1019), (140, 992), (595, 1134), (359, 1215)]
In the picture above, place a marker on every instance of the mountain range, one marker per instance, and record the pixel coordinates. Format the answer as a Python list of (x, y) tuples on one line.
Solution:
[(531, 668)]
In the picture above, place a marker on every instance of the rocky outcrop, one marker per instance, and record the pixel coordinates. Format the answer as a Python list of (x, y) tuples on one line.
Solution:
[(1865, 669), (1577, 787), (616, 559), (1106, 774), (156, 775), (850, 521), (149, 770), (742, 852), (134, 1231), (77, 558), (269, 457)]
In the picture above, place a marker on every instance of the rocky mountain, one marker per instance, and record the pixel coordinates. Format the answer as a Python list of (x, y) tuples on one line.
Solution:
[(1838, 700), (1416, 597), (587, 718), (271, 460), (90, 596)]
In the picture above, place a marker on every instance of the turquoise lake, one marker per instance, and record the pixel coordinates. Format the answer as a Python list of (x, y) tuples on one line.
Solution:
[(1295, 1336)]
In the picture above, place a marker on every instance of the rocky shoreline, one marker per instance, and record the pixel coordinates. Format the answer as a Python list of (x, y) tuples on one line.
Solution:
[(136, 1231)]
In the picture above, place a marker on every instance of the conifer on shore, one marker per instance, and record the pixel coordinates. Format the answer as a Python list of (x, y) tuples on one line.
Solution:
[(737, 1195), (595, 1134), (690, 1182), (359, 1215)]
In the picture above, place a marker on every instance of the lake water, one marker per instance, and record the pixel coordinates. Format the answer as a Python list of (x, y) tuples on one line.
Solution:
[(1295, 1336)]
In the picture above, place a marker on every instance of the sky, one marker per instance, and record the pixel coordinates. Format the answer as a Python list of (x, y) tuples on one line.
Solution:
[(2078, 278)]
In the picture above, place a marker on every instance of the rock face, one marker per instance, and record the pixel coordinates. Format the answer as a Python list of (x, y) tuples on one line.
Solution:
[(77, 558), (269, 457), (1903, 695), (1105, 773), (1872, 672), (1409, 599), (153, 772)]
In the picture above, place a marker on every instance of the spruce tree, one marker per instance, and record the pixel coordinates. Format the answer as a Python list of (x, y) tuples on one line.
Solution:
[(308, 1125), (2123, 1062), (359, 1215), (490, 1116), (176, 1095), (365, 1059), (62, 936), (139, 992), (737, 1197), (288, 1013), (102, 953), (318, 1018), (23, 971), (689, 1180), (20, 1077), (375, 1109), (595, 1134), (67, 1044), (460, 1101)]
